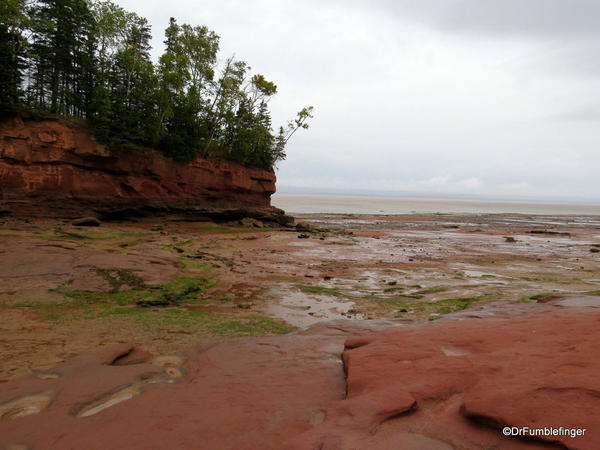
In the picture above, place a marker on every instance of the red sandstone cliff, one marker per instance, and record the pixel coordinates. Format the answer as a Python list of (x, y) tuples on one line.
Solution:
[(50, 168)]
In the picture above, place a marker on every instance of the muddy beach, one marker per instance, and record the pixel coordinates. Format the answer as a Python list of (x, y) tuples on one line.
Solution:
[(200, 291)]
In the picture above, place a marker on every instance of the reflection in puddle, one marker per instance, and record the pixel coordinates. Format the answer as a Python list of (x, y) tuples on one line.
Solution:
[(302, 310), (109, 400), (578, 301), (25, 406), (454, 351), (479, 274)]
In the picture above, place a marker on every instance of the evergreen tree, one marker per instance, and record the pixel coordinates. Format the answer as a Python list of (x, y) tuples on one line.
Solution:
[(133, 88), (12, 53), (186, 69), (91, 58), (62, 56)]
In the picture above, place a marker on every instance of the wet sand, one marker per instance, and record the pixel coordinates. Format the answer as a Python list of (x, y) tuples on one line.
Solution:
[(60, 299)]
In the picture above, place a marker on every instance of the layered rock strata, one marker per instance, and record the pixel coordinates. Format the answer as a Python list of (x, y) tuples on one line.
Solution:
[(49, 167)]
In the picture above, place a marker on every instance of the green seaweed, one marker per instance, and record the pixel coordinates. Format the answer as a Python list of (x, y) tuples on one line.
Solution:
[(432, 290), (175, 292), (406, 304)]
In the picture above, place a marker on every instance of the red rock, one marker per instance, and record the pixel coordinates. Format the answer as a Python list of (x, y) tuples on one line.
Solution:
[(238, 395), (50, 168), (435, 386), (469, 379)]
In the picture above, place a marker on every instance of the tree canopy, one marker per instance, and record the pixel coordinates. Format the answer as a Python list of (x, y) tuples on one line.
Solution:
[(91, 59)]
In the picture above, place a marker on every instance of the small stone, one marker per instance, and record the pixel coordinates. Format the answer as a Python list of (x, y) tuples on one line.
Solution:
[(249, 222), (303, 236), (173, 372), (303, 226), (87, 222)]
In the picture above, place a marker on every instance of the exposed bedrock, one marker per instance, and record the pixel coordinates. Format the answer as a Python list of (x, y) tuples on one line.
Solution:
[(50, 168), (461, 382), (451, 384)]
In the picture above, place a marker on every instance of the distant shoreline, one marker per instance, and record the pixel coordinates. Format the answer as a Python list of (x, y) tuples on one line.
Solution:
[(365, 205)]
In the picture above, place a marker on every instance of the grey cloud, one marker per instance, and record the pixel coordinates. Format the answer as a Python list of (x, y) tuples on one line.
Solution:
[(588, 113), (525, 17), (492, 97)]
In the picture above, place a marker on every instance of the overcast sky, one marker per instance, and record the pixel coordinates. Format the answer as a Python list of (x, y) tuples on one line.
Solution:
[(497, 98)]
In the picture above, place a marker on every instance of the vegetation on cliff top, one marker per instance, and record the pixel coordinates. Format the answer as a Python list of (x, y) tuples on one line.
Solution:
[(91, 59)]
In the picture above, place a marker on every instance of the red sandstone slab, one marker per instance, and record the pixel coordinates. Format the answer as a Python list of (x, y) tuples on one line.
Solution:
[(469, 379), (450, 384)]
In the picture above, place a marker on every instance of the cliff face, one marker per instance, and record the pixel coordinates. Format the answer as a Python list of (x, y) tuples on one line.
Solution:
[(50, 168)]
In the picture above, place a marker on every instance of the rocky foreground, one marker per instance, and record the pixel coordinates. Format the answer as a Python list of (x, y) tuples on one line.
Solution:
[(449, 384), (413, 332)]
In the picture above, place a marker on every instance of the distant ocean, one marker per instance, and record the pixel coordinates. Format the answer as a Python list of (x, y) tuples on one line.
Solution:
[(341, 204)]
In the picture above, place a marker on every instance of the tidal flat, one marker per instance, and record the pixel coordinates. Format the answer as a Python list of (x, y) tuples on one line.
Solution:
[(167, 284)]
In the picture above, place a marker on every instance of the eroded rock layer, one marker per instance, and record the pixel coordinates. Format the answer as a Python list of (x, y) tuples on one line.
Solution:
[(463, 382), (447, 385), (48, 167)]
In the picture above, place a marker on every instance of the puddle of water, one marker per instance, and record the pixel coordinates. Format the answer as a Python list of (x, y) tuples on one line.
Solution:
[(303, 310), (454, 351), (25, 406), (109, 400), (479, 274), (48, 375), (372, 280), (582, 301)]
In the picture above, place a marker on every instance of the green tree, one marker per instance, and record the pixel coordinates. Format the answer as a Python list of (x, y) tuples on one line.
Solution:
[(186, 71), (111, 25), (226, 96), (123, 112), (62, 56), (286, 133), (12, 53), (91, 58), (133, 88)]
